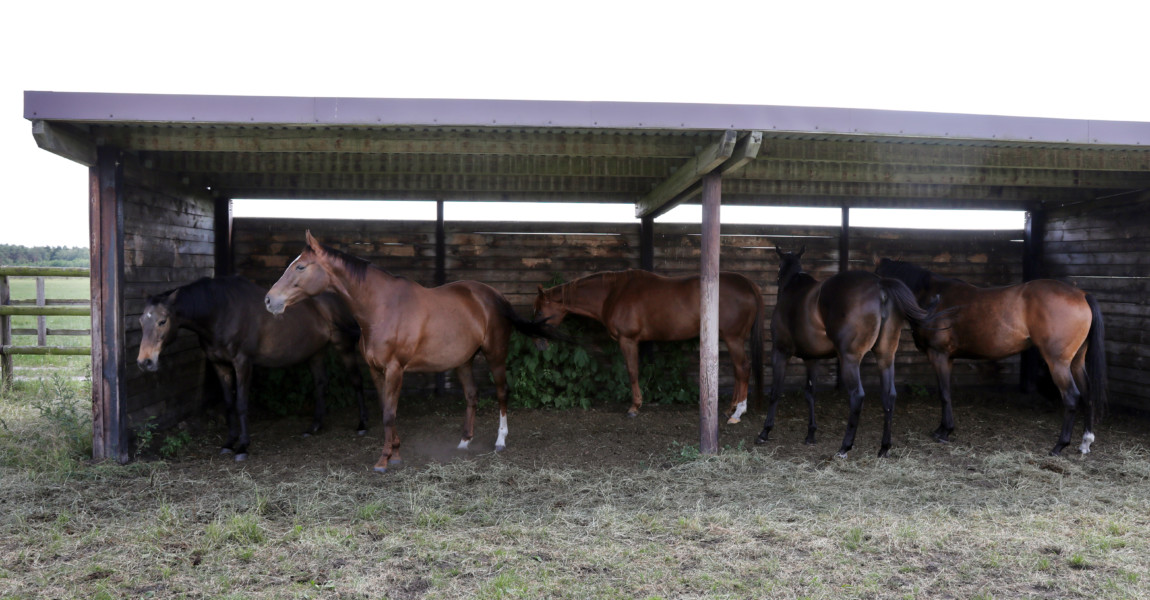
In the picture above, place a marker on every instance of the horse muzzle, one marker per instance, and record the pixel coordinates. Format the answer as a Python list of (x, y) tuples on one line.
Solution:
[(274, 306), (150, 365)]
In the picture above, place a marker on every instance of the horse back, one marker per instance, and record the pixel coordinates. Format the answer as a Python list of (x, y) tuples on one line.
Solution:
[(648, 306)]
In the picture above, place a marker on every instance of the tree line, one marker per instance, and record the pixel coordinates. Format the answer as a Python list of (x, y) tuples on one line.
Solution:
[(43, 256)]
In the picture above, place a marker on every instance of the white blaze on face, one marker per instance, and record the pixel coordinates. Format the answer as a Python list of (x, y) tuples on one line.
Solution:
[(501, 441), (1087, 439)]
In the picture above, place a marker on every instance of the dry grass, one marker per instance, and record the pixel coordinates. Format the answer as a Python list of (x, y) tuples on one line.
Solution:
[(746, 524)]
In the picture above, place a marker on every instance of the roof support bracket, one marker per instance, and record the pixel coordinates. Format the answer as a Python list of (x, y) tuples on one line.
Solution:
[(64, 141), (660, 199), (745, 150)]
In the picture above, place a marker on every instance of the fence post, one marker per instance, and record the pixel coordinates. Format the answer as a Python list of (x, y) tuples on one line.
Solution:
[(41, 320), (5, 335)]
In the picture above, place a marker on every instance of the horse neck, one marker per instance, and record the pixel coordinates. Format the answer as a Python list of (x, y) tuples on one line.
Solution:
[(587, 296), (362, 296), (202, 325)]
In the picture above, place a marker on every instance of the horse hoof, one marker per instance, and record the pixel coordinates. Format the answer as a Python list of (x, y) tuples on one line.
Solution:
[(307, 434), (379, 469), (809, 441), (360, 431), (760, 440), (882, 452), (734, 421), (395, 462), (631, 414), (225, 451), (500, 448), (841, 454), (463, 444), (241, 457)]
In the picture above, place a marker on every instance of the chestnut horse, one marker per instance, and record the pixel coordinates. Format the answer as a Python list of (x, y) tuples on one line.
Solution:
[(236, 333), (638, 306), (1062, 321), (407, 327), (848, 315)]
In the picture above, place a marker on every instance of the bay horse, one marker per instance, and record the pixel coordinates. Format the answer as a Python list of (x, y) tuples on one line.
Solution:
[(1062, 321), (408, 327), (236, 333), (848, 315), (637, 306)]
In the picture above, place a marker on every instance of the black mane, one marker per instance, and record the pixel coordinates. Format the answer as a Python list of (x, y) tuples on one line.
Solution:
[(915, 277), (201, 298)]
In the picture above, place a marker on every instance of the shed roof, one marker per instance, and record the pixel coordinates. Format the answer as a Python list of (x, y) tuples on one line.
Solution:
[(651, 154)]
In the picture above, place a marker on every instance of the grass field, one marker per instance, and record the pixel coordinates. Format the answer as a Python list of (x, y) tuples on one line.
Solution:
[(988, 516), (68, 288)]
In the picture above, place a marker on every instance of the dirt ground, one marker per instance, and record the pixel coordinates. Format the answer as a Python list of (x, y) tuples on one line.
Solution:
[(603, 437)]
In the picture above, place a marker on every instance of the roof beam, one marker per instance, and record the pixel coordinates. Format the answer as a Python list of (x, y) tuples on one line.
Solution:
[(661, 199), (64, 141)]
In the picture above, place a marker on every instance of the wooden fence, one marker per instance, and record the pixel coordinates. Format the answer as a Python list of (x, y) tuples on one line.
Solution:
[(40, 308)]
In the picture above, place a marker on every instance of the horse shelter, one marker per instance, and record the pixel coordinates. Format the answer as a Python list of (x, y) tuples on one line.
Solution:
[(165, 168)]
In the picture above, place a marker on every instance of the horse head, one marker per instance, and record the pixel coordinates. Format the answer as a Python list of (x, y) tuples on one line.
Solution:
[(549, 309), (789, 265), (159, 325), (308, 275)]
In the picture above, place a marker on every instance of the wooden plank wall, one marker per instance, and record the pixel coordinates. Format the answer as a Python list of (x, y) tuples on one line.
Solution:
[(168, 241), (515, 258), (1104, 248)]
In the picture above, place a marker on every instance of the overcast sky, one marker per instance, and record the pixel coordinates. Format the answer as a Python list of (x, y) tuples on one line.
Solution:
[(1082, 60)]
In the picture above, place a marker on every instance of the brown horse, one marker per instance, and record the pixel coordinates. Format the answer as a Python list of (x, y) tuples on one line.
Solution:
[(407, 327), (1062, 321), (236, 333), (638, 306), (848, 315)]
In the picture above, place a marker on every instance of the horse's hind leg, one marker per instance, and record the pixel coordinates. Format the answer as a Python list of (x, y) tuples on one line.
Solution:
[(943, 364), (888, 395), (467, 380), (499, 375), (742, 375), (1060, 372), (778, 373), (319, 376), (849, 364), (1078, 370), (630, 349), (809, 393)]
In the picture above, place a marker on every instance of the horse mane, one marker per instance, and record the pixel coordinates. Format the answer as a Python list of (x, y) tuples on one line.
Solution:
[(201, 298), (915, 277), (356, 267)]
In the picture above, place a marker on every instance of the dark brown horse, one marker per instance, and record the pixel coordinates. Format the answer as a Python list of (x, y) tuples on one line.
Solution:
[(1062, 321), (407, 327), (237, 333), (638, 306), (849, 314)]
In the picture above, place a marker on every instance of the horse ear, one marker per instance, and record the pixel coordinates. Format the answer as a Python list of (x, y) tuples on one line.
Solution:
[(778, 251), (540, 288), (801, 250), (312, 242)]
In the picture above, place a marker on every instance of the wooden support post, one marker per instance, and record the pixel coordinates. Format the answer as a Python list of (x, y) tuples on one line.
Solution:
[(223, 235), (440, 277), (1035, 230), (844, 266), (5, 334), (647, 243), (709, 317), (106, 215)]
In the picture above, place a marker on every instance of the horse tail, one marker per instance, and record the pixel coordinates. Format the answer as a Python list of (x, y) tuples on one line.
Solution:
[(536, 328), (905, 302), (757, 348), (1097, 381)]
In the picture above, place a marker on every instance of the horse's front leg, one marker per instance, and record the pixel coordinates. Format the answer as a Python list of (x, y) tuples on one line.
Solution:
[(319, 376), (471, 396), (943, 364), (809, 393), (388, 382), (630, 349), (227, 378), (778, 373), (243, 394)]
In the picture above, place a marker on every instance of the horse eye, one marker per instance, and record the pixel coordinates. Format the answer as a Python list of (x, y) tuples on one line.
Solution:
[(162, 322), (300, 267)]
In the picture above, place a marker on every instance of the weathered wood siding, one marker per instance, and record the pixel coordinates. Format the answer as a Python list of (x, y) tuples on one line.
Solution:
[(168, 241), (1104, 248), (516, 258)]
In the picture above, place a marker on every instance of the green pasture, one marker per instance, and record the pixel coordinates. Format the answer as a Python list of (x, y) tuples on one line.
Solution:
[(63, 288)]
